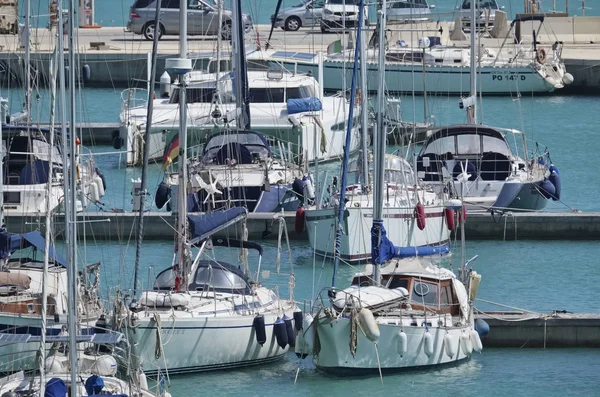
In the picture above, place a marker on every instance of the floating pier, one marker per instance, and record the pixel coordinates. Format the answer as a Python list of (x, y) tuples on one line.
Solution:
[(479, 226), (558, 329)]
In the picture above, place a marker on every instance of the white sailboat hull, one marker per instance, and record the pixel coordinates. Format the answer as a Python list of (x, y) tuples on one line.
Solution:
[(335, 356), (399, 223), (203, 343)]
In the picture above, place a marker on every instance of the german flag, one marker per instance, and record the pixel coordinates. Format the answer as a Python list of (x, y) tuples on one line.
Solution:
[(171, 151)]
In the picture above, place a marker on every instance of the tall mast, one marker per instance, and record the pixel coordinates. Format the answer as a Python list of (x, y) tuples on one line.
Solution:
[(380, 133), (364, 112), (239, 66), (472, 111), (342, 198), (181, 66), (72, 203), (27, 61), (48, 210), (142, 191)]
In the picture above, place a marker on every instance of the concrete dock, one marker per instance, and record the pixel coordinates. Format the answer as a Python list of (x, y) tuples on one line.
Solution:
[(558, 329), (118, 58), (160, 226)]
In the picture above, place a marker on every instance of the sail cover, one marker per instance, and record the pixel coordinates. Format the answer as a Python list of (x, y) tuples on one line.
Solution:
[(205, 225), (384, 250), (10, 243)]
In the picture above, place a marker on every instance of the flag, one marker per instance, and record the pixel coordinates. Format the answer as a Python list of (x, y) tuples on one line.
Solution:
[(335, 47), (171, 151)]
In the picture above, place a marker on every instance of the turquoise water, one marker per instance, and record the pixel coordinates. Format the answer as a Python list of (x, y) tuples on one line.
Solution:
[(116, 12)]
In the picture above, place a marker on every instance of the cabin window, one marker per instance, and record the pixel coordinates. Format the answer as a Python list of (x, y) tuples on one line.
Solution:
[(12, 197), (263, 95), (410, 4), (165, 280), (469, 144), (442, 145), (495, 145), (398, 283), (299, 92), (195, 95), (447, 302), (425, 293)]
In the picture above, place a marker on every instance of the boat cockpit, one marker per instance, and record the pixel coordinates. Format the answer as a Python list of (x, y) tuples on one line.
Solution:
[(482, 152)]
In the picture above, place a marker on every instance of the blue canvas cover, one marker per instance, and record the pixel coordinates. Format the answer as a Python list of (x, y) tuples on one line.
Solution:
[(10, 242), (385, 250), (94, 385), (55, 387), (203, 226), (299, 105)]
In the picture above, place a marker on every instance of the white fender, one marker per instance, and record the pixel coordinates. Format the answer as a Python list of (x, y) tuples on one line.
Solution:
[(308, 332), (82, 197), (428, 344), (98, 182), (104, 365), (300, 349), (465, 344), (476, 341), (368, 324), (94, 191), (143, 381), (449, 345), (402, 343)]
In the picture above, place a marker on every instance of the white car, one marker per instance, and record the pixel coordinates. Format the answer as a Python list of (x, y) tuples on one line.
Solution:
[(407, 11), (307, 13), (340, 14)]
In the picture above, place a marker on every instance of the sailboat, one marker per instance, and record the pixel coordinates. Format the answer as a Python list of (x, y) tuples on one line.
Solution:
[(414, 215), (490, 168), (402, 311), (93, 371), (219, 311)]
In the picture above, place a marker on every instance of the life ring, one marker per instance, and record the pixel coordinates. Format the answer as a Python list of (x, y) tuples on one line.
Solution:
[(540, 55)]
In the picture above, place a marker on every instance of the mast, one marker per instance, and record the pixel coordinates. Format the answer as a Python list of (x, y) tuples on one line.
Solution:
[(239, 66), (342, 200), (181, 66), (72, 204), (471, 110), (379, 132), (42, 352), (27, 61), (142, 191), (364, 113)]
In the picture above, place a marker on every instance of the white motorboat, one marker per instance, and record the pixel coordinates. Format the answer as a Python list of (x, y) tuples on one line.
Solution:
[(413, 216), (286, 107), (224, 317), (489, 168)]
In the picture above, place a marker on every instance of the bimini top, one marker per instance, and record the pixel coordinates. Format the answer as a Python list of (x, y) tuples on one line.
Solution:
[(243, 146), (204, 225), (10, 243)]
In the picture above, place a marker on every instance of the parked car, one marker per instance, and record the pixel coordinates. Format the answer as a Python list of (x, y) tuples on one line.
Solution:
[(202, 19), (484, 7), (307, 13), (407, 11), (340, 14)]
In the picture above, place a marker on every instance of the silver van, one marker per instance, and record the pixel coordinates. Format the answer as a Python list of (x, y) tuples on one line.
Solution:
[(407, 11), (202, 19)]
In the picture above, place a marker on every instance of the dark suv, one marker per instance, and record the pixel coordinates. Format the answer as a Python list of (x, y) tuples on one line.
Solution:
[(203, 19)]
